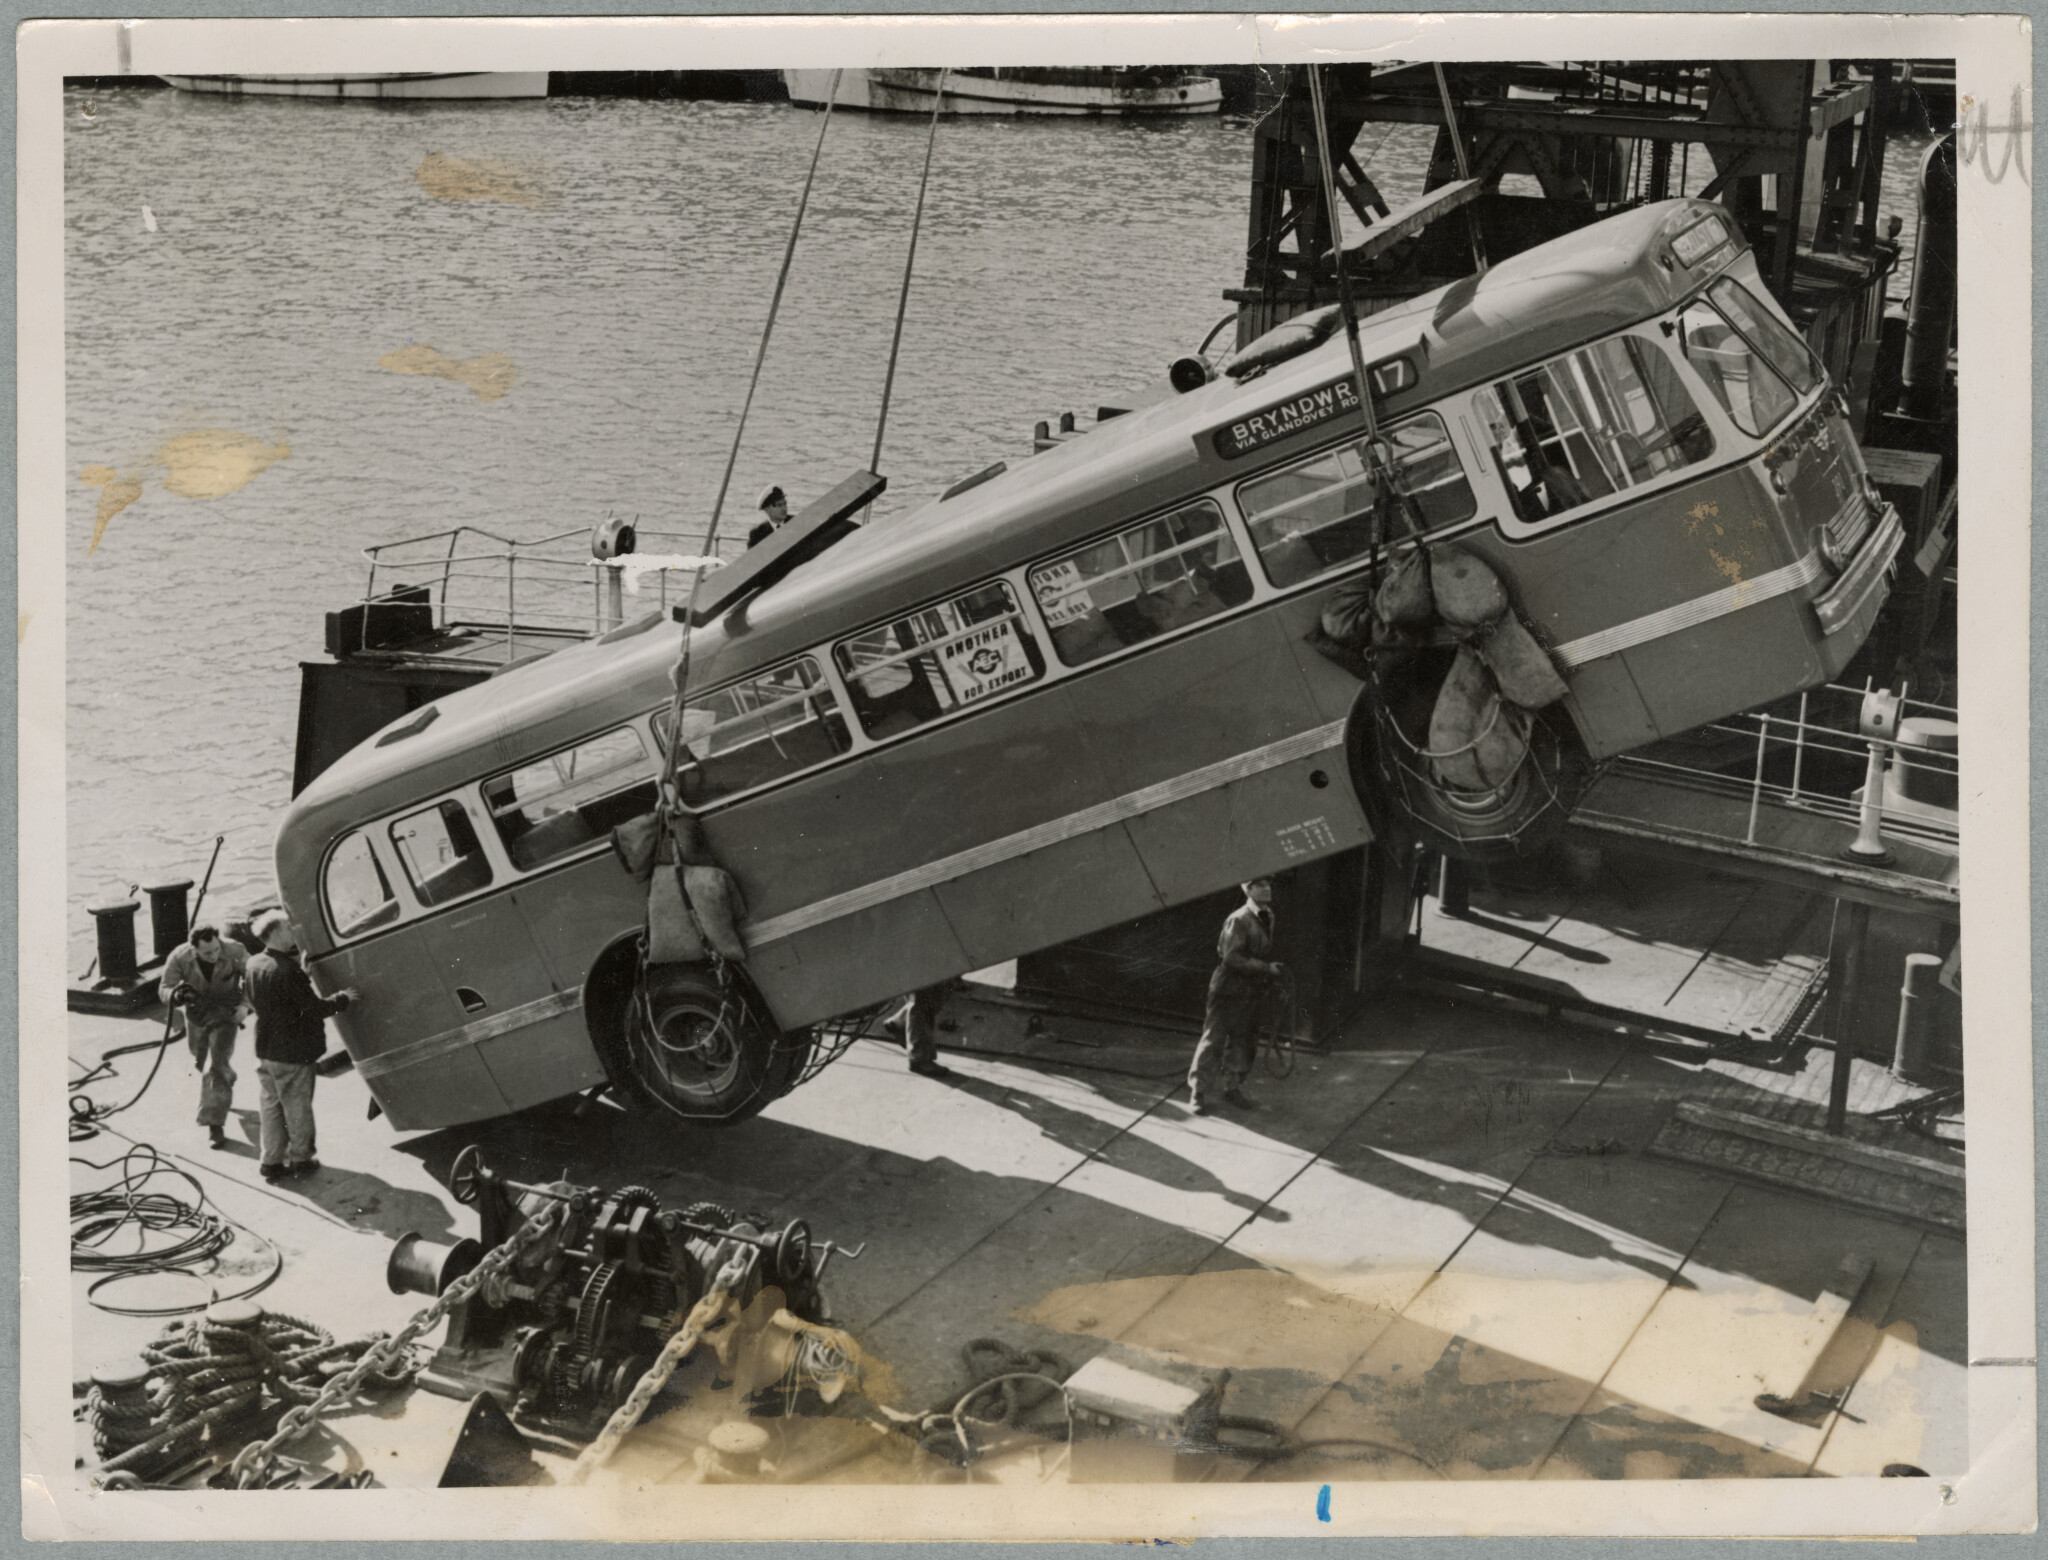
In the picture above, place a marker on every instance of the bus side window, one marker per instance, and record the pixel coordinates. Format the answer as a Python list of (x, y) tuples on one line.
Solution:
[(359, 896), (938, 660), (1748, 388), (1150, 579), (558, 804), (748, 733), (440, 852), (1588, 425), (1319, 514)]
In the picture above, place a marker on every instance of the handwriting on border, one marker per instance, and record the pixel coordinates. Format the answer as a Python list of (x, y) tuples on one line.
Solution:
[(1973, 141)]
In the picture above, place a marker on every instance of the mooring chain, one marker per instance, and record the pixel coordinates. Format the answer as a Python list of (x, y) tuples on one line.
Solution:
[(254, 1460), (705, 1315)]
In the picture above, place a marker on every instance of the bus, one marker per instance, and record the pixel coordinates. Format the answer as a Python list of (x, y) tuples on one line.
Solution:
[(1084, 689)]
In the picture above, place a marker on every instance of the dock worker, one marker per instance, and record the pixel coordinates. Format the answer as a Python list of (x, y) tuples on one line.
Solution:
[(1245, 973), (291, 1035), (774, 509), (203, 979)]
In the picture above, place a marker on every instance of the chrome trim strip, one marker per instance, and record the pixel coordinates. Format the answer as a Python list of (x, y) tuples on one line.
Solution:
[(1690, 614), (487, 1028), (994, 852), (1839, 604)]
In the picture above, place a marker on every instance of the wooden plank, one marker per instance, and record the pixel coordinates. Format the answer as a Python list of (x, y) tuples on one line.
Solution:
[(1785, 1385), (816, 527), (1406, 221)]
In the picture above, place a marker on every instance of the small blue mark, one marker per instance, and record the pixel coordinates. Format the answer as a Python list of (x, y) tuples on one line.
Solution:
[(1323, 1504)]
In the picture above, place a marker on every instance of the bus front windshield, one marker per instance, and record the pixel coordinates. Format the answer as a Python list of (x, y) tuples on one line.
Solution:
[(1755, 367)]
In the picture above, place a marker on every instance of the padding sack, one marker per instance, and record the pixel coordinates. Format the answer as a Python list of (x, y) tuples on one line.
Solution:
[(1405, 599), (720, 908), (1519, 665), (634, 842), (1468, 594), (672, 935), (1476, 741)]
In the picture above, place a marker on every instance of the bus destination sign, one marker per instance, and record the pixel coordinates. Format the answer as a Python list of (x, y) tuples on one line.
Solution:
[(1295, 415)]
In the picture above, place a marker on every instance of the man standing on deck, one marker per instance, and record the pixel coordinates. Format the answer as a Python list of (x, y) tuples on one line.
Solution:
[(291, 1034), (774, 515), (1245, 972), (917, 1022), (204, 978)]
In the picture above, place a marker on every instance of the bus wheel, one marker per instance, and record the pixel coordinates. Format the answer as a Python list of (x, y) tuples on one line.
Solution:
[(1394, 784), (696, 1046)]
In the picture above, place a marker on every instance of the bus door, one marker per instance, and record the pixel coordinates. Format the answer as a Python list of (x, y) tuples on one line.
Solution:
[(1197, 713), (409, 1032), (553, 818), (499, 993)]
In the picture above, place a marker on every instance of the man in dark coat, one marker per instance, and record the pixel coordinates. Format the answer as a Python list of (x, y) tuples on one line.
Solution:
[(291, 1035), (1245, 972)]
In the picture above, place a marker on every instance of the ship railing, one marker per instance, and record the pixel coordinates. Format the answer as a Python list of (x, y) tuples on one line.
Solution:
[(491, 591), (1804, 758)]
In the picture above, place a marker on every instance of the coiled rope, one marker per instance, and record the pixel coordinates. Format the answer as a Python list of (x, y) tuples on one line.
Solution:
[(206, 1382), (127, 1207)]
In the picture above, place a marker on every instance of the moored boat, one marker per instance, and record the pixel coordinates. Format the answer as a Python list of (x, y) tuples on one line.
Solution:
[(1065, 90), (391, 84)]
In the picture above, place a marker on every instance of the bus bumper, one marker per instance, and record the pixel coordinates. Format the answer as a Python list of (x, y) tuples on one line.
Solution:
[(1842, 602)]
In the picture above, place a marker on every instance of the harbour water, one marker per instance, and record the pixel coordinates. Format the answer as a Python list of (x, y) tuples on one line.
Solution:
[(565, 297)]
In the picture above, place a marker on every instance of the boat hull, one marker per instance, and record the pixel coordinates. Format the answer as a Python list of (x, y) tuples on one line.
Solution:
[(908, 91), (415, 84)]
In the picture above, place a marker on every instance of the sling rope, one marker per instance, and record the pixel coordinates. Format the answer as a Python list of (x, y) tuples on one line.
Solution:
[(903, 298), (682, 671)]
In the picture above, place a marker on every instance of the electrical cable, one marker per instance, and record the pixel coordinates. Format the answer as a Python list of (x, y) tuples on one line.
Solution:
[(199, 1237)]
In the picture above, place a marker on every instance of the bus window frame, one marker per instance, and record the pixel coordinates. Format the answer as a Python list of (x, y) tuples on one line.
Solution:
[(648, 752), (1732, 447), (1446, 414), (826, 686), (1232, 526), (1023, 611), (398, 900)]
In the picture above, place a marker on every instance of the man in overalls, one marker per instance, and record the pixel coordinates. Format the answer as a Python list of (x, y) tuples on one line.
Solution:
[(204, 978), (1245, 971)]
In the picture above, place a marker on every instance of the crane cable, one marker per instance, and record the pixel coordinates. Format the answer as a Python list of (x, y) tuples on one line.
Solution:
[(682, 670), (903, 298)]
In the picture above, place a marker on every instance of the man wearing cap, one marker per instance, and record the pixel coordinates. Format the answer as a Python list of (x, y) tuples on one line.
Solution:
[(1245, 972), (774, 513), (203, 978), (291, 1035)]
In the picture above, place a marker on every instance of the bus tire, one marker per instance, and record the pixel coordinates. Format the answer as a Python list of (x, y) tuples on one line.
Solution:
[(1516, 819), (677, 1041)]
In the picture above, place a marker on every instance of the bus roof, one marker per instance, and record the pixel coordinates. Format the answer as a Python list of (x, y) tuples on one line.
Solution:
[(1591, 282)]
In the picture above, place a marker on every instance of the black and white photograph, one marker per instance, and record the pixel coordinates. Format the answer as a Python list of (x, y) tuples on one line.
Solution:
[(917, 777)]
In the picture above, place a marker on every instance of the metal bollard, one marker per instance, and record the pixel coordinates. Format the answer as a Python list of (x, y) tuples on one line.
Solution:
[(1917, 997), (115, 925), (1453, 887), (168, 924)]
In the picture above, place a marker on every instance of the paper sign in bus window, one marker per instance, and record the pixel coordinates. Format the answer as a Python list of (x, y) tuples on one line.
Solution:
[(990, 658), (1061, 595)]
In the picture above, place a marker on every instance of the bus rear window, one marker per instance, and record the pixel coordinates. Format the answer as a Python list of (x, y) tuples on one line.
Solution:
[(1750, 391), (441, 853), (1319, 514), (1151, 579), (939, 660), (749, 733), (1590, 424), (561, 803), (359, 896)]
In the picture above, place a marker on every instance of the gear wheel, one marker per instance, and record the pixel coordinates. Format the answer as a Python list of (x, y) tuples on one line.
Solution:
[(710, 1213), (571, 1358)]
